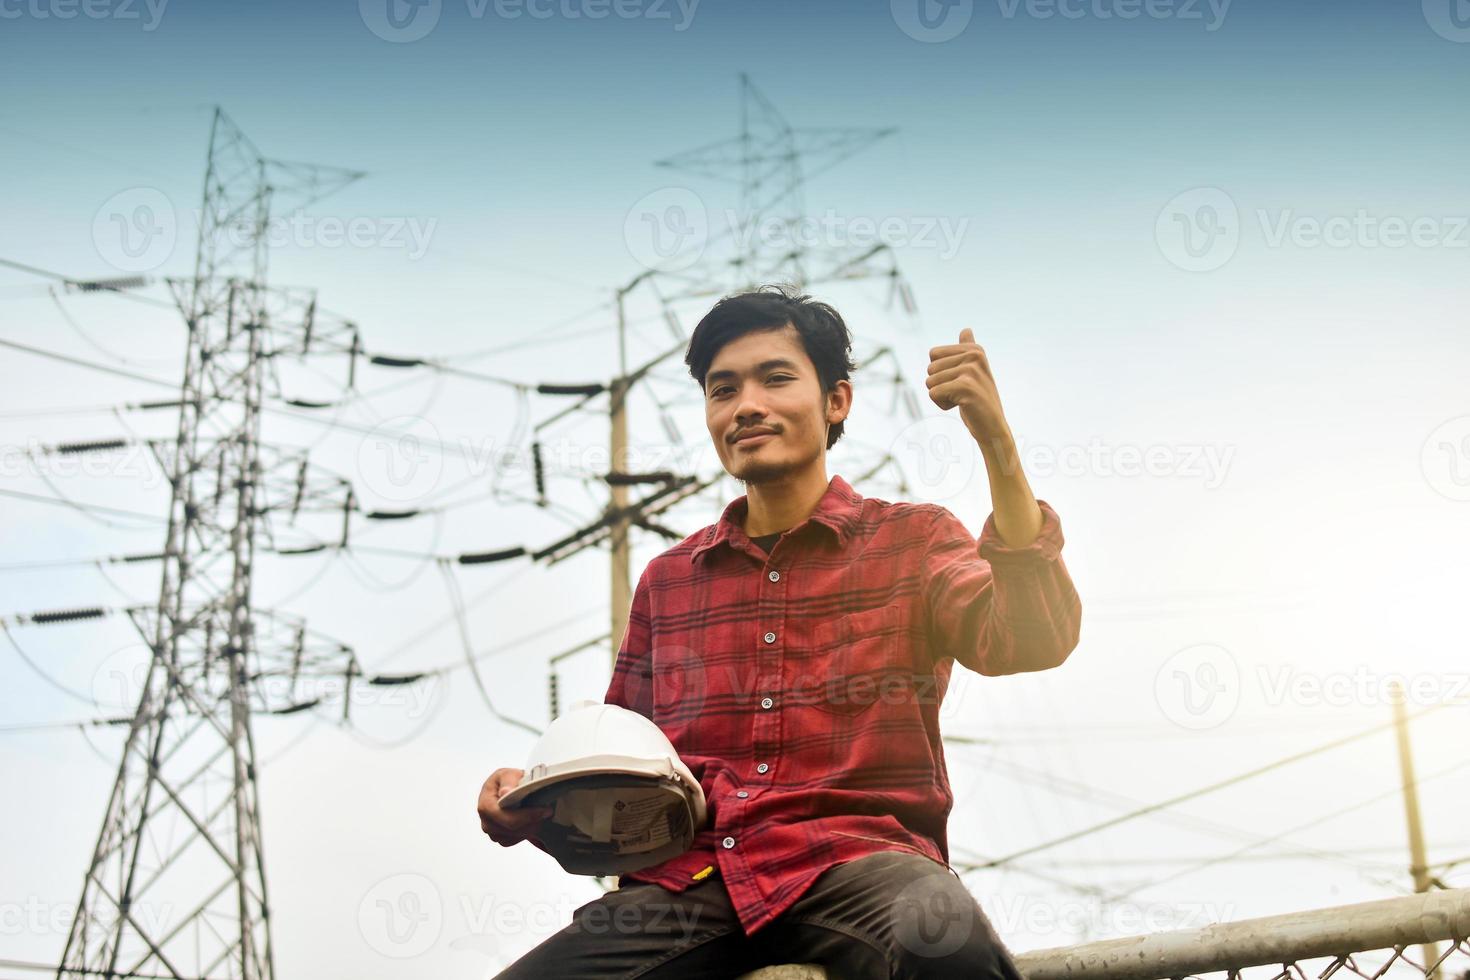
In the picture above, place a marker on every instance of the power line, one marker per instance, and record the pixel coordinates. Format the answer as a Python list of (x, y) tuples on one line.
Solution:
[(1142, 860), (1211, 862), (84, 723), (296, 414), (1192, 794), (545, 335), (457, 603), (96, 508), (25, 566), (286, 411), (117, 285), (82, 362), (36, 669), (76, 327), (89, 410), (1188, 821)]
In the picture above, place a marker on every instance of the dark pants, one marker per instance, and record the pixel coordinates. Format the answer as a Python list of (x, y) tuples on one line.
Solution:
[(892, 914)]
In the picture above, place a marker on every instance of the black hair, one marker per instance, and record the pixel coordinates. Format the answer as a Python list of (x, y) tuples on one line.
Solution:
[(823, 334)]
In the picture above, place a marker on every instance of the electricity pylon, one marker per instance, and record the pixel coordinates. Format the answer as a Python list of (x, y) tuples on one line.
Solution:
[(176, 886), (770, 161)]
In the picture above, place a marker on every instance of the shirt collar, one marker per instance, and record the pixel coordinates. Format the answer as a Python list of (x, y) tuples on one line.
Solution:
[(838, 511)]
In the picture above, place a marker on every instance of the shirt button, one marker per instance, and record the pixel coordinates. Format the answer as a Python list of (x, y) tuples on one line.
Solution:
[(770, 637), (766, 702), (775, 576), (742, 794), (762, 767), (729, 842)]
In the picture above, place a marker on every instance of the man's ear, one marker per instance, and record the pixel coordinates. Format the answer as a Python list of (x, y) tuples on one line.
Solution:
[(841, 412)]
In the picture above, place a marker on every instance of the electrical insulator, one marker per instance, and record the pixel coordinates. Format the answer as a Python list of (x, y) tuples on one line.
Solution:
[(66, 615), (540, 474)]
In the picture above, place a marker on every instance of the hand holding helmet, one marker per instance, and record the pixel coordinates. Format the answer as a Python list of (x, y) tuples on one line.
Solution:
[(507, 827), (604, 792)]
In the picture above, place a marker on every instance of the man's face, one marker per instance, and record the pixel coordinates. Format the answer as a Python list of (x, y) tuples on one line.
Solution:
[(764, 381)]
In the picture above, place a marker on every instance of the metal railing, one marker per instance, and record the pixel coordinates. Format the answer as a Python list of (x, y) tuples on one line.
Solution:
[(1424, 935), (1416, 936)]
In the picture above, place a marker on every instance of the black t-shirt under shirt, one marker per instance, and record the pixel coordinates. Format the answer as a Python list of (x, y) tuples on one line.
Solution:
[(767, 541)]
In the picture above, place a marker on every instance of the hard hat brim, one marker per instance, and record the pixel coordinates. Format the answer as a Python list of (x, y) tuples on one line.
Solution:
[(588, 766)]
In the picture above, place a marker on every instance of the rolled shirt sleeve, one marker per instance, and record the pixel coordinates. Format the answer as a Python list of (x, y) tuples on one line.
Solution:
[(997, 609)]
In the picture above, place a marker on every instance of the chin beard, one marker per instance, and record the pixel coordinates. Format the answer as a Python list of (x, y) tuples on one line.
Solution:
[(759, 471), (762, 471)]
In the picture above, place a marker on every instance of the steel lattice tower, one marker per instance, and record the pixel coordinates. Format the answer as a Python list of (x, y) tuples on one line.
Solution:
[(770, 160), (176, 886)]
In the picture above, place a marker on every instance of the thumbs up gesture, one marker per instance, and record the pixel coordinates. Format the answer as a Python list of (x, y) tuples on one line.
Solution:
[(959, 375)]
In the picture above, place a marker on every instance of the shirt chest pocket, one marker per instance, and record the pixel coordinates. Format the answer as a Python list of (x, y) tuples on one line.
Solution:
[(860, 659)]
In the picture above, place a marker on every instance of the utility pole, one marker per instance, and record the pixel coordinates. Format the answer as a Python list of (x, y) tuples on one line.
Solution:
[(1418, 861), (622, 587)]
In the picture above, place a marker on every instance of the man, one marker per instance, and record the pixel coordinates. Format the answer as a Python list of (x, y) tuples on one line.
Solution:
[(796, 653)]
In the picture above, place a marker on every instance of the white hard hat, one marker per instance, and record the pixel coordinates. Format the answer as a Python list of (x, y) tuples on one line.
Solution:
[(622, 799)]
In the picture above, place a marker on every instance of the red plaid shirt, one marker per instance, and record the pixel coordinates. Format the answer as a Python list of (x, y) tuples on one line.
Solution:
[(803, 688)]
